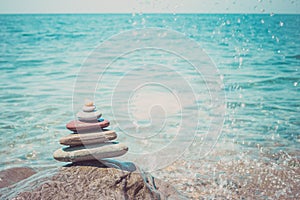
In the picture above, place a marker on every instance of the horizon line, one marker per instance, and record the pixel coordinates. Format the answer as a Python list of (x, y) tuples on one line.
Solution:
[(149, 13)]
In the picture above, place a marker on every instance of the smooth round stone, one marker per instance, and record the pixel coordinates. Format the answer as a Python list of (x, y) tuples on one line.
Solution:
[(91, 152), (78, 126), (89, 103), (88, 108), (88, 116), (88, 138)]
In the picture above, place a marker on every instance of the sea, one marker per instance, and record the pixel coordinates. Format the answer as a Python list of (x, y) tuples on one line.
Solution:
[(249, 114)]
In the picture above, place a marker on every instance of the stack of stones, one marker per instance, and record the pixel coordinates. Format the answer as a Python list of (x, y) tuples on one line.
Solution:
[(89, 140)]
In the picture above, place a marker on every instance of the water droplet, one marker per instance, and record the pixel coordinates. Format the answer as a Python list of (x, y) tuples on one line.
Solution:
[(262, 21), (143, 21), (31, 155), (295, 84), (271, 14), (240, 61), (281, 24)]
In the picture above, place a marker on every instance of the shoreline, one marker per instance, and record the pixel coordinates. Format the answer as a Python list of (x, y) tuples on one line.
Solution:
[(270, 175)]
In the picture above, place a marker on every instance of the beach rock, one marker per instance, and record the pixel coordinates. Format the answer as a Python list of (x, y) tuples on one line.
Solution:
[(90, 152), (88, 108), (93, 182), (88, 138), (13, 175), (88, 116), (78, 126)]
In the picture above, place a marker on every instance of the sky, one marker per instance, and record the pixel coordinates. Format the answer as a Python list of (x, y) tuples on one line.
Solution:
[(150, 6)]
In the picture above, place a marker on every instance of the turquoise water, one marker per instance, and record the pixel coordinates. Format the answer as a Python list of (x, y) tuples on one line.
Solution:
[(41, 55)]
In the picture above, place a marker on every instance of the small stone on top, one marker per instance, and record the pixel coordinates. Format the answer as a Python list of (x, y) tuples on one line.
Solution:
[(89, 103)]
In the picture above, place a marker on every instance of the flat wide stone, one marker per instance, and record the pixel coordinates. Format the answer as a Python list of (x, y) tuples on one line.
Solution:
[(90, 152), (78, 126), (88, 138)]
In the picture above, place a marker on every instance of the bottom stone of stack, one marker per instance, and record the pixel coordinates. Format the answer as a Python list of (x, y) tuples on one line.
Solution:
[(90, 152)]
